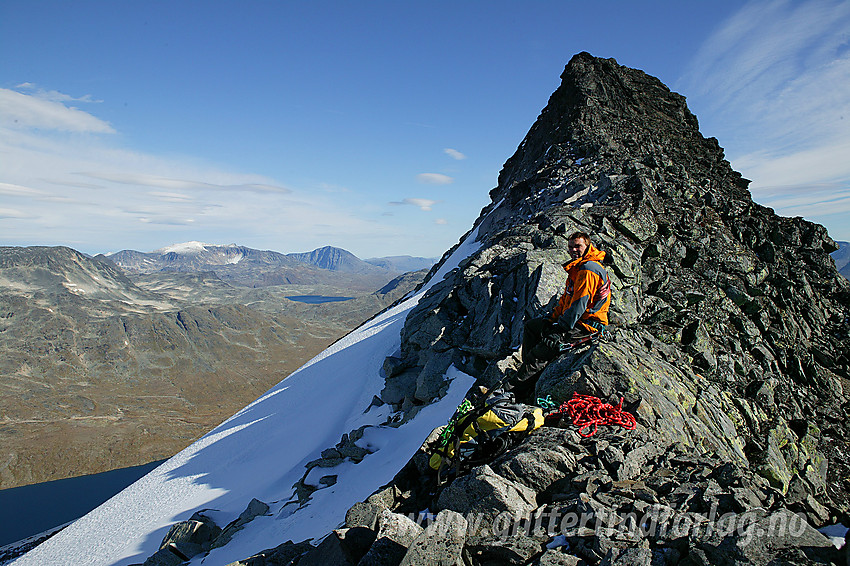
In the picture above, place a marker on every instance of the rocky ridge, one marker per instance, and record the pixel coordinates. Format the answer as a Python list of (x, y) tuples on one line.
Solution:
[(729, 339), (729, 342)]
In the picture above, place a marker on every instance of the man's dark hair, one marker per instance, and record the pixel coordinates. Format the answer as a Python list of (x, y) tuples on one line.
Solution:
[(582, 235)]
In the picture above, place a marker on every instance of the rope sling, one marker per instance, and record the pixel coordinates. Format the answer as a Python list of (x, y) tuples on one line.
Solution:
[(587, 411)]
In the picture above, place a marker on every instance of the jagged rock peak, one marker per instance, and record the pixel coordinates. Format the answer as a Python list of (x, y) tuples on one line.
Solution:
[(737, 310), (605, 111)]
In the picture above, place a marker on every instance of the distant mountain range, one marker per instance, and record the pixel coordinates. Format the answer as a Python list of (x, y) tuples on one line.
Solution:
[(842, 258), (249, 267), (109, 362)]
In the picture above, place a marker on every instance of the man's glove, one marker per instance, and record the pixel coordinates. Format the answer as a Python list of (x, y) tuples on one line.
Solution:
[(554, 338)]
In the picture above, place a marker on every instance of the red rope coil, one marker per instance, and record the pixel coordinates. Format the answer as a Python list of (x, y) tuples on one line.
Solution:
[(587, 411)]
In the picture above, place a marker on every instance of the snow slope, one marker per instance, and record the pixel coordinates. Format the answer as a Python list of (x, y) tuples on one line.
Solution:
[(261, 452)]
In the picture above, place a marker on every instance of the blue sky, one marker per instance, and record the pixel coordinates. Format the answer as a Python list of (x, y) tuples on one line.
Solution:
[(379, 126)]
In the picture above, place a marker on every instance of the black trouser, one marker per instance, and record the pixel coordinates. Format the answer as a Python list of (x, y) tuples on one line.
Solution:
[(536, 355)]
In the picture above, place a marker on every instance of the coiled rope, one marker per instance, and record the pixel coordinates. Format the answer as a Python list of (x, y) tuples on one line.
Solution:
[(587, 411)]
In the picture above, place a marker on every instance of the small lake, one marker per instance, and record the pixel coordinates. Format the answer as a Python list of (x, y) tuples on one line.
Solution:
[(317, 299), (32, 509)]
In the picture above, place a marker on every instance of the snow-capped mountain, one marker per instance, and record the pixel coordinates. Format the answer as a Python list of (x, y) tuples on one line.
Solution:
[(244, 266)]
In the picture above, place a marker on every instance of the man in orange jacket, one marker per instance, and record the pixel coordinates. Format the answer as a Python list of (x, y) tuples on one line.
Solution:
[(581, 311)]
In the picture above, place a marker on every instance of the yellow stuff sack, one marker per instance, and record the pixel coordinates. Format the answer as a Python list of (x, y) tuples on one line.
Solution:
[(477, 435)]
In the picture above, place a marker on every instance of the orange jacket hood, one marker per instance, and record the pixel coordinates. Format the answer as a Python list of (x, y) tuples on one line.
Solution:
[(591, 254)]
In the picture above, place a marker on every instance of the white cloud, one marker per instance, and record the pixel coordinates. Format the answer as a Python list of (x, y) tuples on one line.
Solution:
[(434, 179), (807, 200), (773, 85), (10, 189), (170, 197), (819, 165), (55, 95), (423, 203), (777, 75), (22, 111), (12, 213), (441, 221), (454, 154), (142, 179)]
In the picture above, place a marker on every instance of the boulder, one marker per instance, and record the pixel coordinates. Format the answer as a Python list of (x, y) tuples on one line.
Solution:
[(395, 536), (441, 542), (255, 509), (486, 493)]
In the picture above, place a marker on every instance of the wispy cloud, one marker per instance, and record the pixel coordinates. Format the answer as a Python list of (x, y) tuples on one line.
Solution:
[(454, 154), (12, 213), (773, 85), (435, 179), (10, 189), (809, 200), (18, 110), (423, 203), (144, 180), (171, 197), (55, 95)]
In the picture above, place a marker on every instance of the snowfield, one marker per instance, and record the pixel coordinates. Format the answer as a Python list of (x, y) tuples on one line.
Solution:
[(261, 452)]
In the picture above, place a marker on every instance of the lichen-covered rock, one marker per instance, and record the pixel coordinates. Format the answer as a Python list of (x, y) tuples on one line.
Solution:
[(778, 537), (396, 534), (486, 493), (164, 557), (363, 514), (510, 549), (331, 550), (199, 531), (440, 543), (282, 554), (539, 462)]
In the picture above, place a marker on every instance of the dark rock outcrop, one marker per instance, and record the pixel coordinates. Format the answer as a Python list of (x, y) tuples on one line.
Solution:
[(729, 337)]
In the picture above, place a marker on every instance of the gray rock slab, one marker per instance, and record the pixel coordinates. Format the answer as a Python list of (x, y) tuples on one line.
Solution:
[(441, 543), (483, 491)]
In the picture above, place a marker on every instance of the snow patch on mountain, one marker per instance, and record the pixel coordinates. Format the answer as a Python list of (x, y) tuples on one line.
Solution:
[(183, 248)]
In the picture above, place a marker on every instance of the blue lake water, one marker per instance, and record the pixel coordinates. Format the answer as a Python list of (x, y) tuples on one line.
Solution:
[(32, 509), (316, 299)]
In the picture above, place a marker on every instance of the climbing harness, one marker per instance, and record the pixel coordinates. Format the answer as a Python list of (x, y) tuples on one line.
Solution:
[(587, 411)]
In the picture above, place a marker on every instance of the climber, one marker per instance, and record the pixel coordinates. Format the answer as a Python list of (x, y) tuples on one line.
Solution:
[(581, 313)]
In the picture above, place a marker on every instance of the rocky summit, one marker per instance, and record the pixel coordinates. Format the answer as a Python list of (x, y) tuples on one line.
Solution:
[(729, 343)]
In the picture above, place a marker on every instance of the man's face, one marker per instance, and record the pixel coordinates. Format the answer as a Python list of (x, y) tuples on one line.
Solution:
[(577, 247)]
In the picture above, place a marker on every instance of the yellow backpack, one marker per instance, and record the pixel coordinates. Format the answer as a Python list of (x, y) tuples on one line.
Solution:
[(476, 435)]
